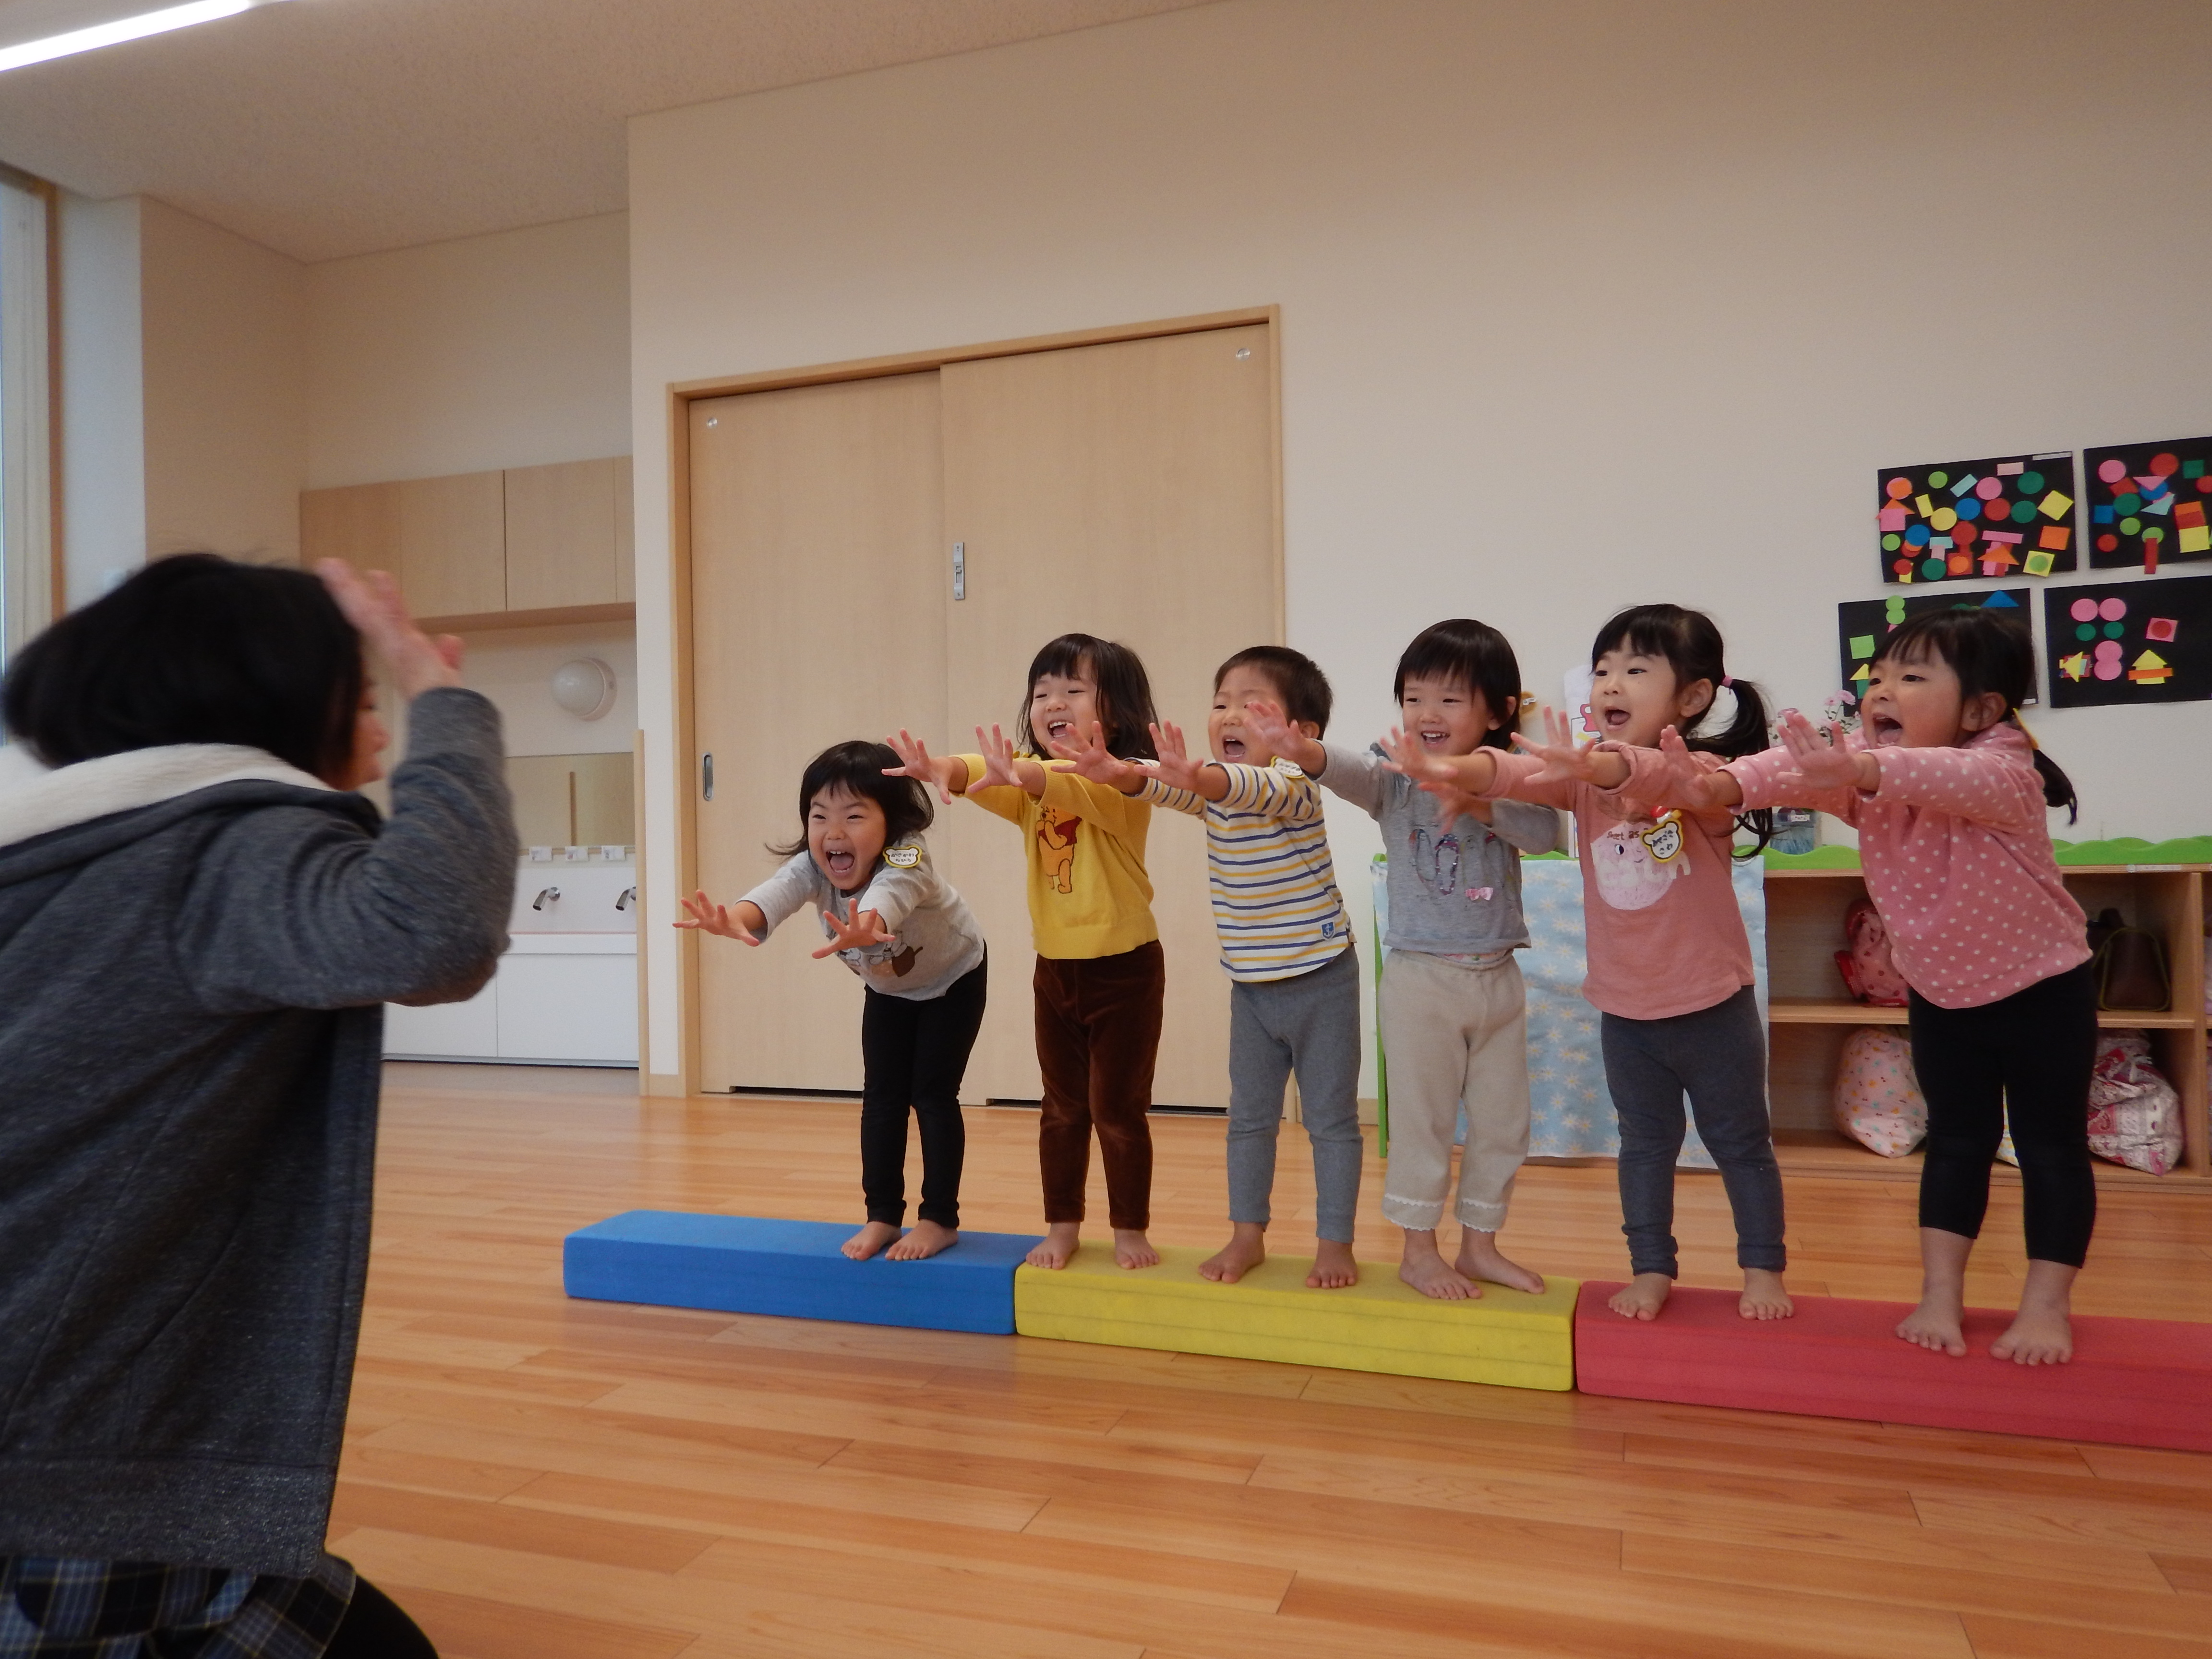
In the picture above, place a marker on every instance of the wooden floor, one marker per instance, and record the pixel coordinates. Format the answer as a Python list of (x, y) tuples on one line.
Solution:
[(538, 1479)]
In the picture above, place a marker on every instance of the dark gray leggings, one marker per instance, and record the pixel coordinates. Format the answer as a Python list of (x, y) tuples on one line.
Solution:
[(1717, 1055)]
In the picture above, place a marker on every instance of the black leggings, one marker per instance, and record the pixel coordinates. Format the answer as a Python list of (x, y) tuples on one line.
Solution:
[(915, 1054), (373, 1628), (2028, 1057)]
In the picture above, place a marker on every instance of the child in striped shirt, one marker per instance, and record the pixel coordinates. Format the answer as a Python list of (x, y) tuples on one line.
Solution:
[(1286, 944)]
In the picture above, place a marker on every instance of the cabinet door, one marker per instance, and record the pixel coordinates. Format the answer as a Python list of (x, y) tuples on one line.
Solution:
[(358, 523), (1126, 490), (447, 1030), (452, 552), (818, 581), (581, 1008), (567, 535)]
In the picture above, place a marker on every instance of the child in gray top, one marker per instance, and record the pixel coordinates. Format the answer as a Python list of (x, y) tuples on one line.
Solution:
[(1452, 1006), (863, 866)]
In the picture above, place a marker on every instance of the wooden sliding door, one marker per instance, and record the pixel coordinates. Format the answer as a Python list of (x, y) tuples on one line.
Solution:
[(817, 614), (1127, 489)]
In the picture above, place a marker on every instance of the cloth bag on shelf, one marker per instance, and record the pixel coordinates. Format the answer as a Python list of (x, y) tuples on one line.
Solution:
[(1869, 973), (2135, 1113), (1878, 1099)]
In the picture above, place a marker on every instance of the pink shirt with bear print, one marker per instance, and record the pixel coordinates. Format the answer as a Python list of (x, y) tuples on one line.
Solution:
[(1664, 935)]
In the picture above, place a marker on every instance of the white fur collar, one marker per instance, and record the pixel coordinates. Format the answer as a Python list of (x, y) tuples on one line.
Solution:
[(35, 800)]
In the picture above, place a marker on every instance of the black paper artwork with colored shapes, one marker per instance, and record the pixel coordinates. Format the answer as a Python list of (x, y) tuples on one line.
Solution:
[(1862, 624), (2009, 515), (2123, 642), (2147, 502)]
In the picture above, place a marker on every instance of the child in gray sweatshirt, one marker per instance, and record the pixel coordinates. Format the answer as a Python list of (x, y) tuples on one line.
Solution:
[(1452, 1006)]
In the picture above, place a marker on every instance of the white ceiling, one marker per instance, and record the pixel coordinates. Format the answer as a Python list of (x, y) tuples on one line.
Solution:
[(323, 128)]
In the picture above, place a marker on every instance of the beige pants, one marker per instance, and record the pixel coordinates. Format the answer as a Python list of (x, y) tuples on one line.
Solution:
[(1454, 1031)]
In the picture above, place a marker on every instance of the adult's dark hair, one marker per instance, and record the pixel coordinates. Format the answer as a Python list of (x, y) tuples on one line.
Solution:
[(1691, 645), (1989, 652), (1125, 693), (1300, 686), (857, 768), (194, 649), (1480, 658)]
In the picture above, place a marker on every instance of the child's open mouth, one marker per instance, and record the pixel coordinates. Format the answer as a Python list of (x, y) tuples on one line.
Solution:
[(1884, 729), (1232, 749), (1059, 730), (1433, 736), (1614, 719), (840, 861)]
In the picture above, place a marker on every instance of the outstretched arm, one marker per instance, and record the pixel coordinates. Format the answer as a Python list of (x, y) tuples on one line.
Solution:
[(743, 921), (1003, 769), (1686, 784), (1179, 771), (1272, 725), (1568, 761), (863, 932)]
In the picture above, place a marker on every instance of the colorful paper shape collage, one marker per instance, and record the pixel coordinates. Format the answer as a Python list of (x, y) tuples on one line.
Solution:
[(1862, 624), (2147, 503), (2001, 516), (2130, 642)]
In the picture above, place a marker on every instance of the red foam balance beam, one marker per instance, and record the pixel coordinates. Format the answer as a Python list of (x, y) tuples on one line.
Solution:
[(2131, 1382)]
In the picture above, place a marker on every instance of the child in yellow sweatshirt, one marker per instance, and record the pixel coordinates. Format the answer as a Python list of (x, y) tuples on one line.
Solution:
[(1100, 981)]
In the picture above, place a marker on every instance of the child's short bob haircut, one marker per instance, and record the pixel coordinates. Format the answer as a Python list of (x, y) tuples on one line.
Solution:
[(1471, 654), (1988, 653), (857, 768), (1300, 686), (194, 648), (1125, 693)]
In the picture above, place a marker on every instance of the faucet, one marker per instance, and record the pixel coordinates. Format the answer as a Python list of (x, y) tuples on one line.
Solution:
[(629, 899), (552, 893)]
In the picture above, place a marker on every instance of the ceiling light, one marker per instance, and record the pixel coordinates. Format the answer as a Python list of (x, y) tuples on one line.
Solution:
[(122, 29)]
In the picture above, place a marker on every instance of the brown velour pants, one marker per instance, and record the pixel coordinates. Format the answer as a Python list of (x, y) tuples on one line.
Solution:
[(1097, 1034)]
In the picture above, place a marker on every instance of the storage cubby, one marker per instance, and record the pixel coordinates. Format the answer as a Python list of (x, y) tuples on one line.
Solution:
[(1811, 1013)]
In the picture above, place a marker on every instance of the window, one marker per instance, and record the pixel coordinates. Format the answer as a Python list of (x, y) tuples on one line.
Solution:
[(27, 538)]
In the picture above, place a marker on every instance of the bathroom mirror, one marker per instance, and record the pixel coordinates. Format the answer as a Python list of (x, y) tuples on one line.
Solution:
[(571, 800)]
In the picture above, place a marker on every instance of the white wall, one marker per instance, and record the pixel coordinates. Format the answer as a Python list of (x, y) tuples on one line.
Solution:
[(225, 360), (1583, 304), (513, 667), (493, 351)]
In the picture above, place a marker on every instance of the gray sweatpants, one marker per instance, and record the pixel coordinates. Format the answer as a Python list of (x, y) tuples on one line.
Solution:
[(1308, 1023), (1718, 1056)]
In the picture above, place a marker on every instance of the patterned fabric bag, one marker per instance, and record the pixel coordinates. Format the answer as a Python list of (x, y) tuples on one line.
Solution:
[(1878, 1100), (1868, 974), (2135, 1115)]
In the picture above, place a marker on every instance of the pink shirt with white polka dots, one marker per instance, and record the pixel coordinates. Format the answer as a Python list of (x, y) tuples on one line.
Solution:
[(1956, 847)]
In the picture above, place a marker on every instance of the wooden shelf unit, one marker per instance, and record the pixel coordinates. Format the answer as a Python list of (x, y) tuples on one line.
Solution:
[(1809, 1014)]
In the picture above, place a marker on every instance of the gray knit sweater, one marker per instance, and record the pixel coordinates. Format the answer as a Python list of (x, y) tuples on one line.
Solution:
[(190, 1038)]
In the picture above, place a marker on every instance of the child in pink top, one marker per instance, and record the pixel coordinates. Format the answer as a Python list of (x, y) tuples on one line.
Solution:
[(1950, 797), (1670, 964)]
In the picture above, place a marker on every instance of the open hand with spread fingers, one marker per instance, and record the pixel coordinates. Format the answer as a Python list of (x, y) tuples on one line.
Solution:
[(707, 917), (1820, 757), (1691, 785), (916, 761), (1176, 768), (997, 752), (1566, 757), (863, 932), (1090, 758)]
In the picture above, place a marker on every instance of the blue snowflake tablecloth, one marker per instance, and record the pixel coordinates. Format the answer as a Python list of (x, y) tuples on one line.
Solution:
[(1570, 1114)]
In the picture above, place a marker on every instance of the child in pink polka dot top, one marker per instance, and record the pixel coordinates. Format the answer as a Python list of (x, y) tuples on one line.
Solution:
[(1950, 797)]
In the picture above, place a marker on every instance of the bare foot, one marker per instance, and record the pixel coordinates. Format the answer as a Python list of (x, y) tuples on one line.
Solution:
[(1334, 1268), (1427, 1272), (925, 1240), (1479, 1258), (1133, 1249), (1764, 1297), (1642, 1297), (1935, 1324), (869, 1240), (1060, 1238), (2038, 1336), (1246, 1249)]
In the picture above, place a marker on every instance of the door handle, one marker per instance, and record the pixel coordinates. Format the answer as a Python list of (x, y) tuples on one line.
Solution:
[(706, 777)]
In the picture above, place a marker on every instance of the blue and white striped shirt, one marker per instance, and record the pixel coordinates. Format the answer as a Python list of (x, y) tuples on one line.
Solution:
[(1275, 902)]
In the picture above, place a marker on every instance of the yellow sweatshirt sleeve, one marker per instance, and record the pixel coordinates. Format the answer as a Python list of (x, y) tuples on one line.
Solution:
[(1005, 799)]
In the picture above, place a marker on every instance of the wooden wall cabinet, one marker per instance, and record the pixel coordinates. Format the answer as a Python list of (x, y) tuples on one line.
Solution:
[(489, 549)]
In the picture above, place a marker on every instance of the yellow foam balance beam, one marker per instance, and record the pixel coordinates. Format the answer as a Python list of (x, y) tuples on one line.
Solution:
[(1505, 1337)]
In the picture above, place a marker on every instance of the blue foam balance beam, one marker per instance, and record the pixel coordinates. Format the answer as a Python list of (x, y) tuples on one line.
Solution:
[(755, 1264)]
